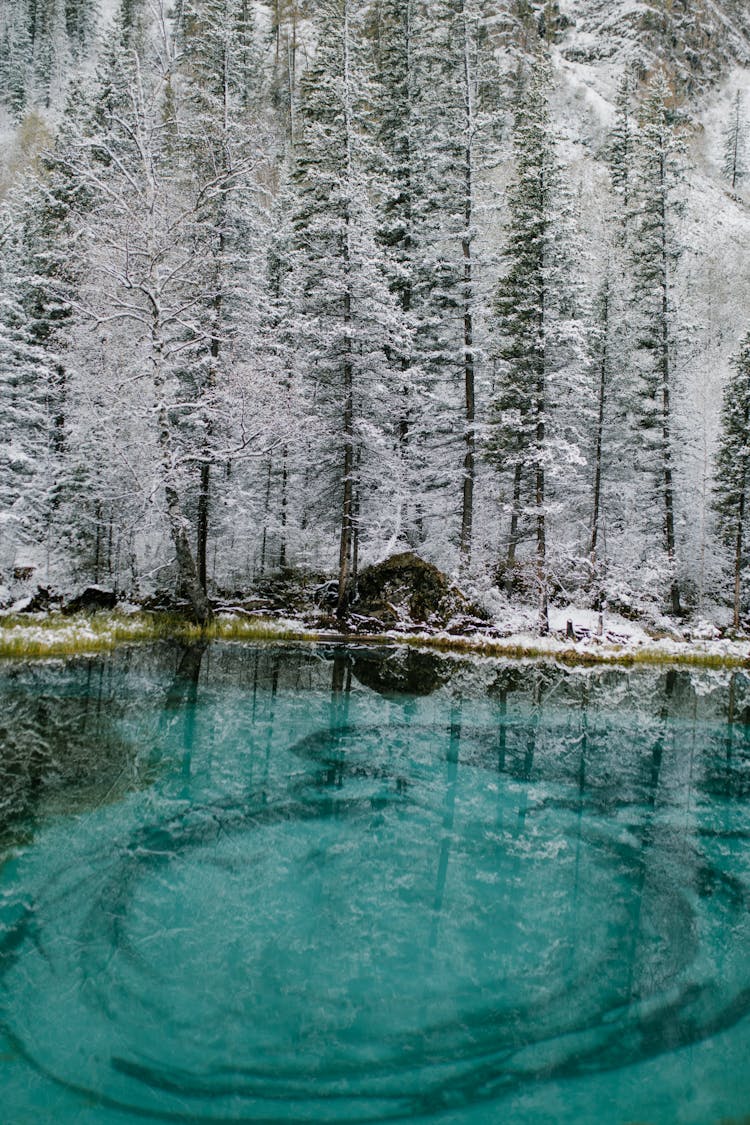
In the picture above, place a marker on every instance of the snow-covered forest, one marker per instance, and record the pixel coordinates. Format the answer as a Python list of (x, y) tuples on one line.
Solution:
[(304, 283)]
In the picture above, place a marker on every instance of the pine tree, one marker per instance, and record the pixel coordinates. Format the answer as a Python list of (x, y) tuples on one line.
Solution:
[(220, 158), (621, 143), (395, 37), (735, 145), (539, 336), (346, 320), (451, 144), (15, 65), (24, 430), (732, 469), (655, 251)]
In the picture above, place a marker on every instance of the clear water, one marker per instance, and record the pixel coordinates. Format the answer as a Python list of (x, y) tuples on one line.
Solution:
[(278, 884)]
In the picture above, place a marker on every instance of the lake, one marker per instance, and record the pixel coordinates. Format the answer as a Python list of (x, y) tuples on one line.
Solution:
[(313, 884)]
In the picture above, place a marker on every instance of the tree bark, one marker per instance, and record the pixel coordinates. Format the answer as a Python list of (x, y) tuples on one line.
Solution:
[(186, 567), (674, 591), (467, 505), (510, 560), (599, 433)]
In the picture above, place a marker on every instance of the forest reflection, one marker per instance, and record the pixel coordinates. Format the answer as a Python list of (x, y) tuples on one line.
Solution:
[(63, 743)]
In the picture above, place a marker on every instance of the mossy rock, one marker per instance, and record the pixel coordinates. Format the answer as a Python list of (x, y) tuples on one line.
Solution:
[(405, 589)]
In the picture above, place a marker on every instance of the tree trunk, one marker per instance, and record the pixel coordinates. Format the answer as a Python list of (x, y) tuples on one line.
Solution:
[(347, 370), (541, 552), (202, 523), (738, 545), (738, 563), (467, 506), (187, 570), (599, 434), (510, 561), (282, 545), (345, 540), (674, 591)]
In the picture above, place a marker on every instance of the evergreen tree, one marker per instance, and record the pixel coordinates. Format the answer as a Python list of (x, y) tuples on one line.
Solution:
[(735, 145), (221, 156), (15, 65), (732, 465), (538, 336), (346, 321), (24, 430), (655, 251), (621, 143), (395, 36), (447, 96)]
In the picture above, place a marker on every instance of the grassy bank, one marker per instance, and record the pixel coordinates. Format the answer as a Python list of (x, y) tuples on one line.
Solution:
[(54, 635), (584, 656)]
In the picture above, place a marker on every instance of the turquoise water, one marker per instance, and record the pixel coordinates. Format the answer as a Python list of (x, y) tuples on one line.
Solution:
[(282, 884)]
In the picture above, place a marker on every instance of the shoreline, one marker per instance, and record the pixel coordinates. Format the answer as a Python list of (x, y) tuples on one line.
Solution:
[(58, 636)]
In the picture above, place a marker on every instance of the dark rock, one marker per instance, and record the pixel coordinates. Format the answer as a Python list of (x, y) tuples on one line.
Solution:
[(401, 672), (92, 598), (163, 601), (39, 602), (405, 589), (23, 573)]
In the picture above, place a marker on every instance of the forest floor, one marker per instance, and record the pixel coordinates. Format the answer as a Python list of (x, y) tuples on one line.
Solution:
[(55, 635)]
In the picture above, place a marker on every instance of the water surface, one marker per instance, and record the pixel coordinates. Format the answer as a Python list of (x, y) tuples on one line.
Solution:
[(288, 884)]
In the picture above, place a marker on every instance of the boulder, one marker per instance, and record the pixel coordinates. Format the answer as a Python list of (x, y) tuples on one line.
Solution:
[(42, 601), (92, 598), (404, 589)]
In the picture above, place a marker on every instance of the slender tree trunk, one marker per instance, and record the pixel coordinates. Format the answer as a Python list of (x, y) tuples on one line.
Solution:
[(215, 343), (284, 474), (541, 407), (602, 397), (355, 538), (515, 513), (599, 434), (345, 540), (666, 407), (735, 139), (738, 559), (98, 545), (202, 522), (467, 506), (541, 542), (266, 513)]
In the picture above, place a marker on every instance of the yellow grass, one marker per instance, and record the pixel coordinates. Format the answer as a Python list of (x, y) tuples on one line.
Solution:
[(56, 635)]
